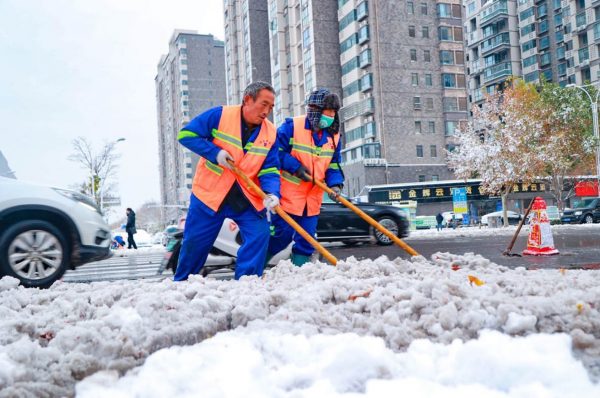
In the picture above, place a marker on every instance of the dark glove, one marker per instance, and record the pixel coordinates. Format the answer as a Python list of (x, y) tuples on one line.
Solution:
[(303, 174), (337, 191)]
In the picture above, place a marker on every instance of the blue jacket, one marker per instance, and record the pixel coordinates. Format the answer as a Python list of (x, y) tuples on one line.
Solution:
[(333, 175), (203, 124)]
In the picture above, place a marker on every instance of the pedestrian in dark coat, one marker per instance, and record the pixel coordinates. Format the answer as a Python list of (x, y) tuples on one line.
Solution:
[(440, 219), (130, 228)]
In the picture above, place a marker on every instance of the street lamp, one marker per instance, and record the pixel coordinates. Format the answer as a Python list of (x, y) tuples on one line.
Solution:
[(594, 104)]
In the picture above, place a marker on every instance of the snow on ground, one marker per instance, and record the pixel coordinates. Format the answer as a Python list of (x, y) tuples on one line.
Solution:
[(124, 252), (487, 231), (363, 328)]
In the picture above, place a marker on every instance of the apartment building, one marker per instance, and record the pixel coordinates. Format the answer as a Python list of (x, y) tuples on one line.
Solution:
[(189, 80), (304, 52), (247, 55), (404, 91), (493, 43)]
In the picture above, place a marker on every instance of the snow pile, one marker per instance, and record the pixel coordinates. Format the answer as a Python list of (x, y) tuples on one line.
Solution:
[(50, 339), (274, 364), (501, 231)]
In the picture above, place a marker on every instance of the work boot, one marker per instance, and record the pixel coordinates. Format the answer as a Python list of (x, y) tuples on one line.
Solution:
[(299, 259), (269, 257)]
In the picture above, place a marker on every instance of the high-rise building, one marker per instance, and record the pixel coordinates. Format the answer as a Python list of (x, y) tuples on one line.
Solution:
[(494, 44), (403, 79), (398, 66), (247, 57), (189, 80), (304, 52)]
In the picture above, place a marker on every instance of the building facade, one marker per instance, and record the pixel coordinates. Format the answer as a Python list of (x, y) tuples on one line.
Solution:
[(493, 45), (247, 56), (189, 80), (304, 52), (404, 89)]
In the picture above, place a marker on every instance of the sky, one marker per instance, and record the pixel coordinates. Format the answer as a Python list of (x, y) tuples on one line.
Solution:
[(86, 68), (448, 326)]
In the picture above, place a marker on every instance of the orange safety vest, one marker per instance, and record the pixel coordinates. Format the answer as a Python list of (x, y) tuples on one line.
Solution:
[(213, 182), (297, 194)]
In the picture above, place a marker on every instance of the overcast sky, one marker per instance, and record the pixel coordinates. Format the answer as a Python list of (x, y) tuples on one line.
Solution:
[(74, 68)]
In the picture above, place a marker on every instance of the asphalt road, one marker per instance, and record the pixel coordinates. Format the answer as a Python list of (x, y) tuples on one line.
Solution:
[(578, 249)]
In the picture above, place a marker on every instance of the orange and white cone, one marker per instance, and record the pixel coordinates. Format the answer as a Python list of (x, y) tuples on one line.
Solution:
[(540, 241)]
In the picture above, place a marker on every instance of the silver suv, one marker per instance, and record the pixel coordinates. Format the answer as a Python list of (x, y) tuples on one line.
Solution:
[(44, 231)]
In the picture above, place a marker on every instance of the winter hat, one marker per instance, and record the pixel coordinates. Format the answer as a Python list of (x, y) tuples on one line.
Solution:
[(319, 100)]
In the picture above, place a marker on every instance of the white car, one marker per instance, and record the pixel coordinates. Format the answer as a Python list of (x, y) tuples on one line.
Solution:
[(513, 218), (44, 231)]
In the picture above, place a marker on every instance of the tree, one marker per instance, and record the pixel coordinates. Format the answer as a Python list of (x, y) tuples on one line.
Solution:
[(495, 145), (101, 167), (149, 217), (566, 146)]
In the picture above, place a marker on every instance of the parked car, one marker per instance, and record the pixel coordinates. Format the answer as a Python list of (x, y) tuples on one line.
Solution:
[(513, 217), (553, 214), (585, 211), (44, 231), (337, 223)]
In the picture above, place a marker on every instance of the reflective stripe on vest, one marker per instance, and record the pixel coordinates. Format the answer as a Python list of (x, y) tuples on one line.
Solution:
[(211, 181), (297, 194)]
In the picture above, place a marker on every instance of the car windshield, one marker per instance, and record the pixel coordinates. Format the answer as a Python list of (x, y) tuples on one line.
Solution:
[(579, 204)]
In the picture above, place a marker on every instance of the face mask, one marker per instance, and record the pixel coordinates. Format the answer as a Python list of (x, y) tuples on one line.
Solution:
[(325, 121)]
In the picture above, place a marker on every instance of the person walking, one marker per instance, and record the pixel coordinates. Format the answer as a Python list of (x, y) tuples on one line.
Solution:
[(244, 135), (130, 228), (309, 148), (440, 220)]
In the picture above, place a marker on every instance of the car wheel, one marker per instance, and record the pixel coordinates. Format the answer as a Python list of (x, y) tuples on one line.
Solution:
[(588, 219), (391, 225), (35, 252)]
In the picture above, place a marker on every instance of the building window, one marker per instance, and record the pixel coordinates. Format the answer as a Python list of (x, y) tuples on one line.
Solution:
[(410, 7), (427, 56), (431, 127), (445, 33), (428, 80), (429, 104), (419, 151), (425, 32), (433, 151), (421, 178), (413, 54), (411, 30), (423, 8), (417, 103), (418, 126), (415, 79), (435, 177), (446, 57)]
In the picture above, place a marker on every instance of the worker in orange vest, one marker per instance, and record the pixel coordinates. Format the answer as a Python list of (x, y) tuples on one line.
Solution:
[(309, 147), (242, 134)]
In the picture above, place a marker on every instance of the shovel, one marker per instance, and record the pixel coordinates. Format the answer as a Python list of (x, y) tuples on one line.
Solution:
[(367, 218)]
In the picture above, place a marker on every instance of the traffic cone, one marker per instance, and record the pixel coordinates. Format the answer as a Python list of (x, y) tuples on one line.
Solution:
[(540, 241)]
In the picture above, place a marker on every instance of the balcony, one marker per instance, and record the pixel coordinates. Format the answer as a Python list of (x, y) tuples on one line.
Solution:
[(364, 59), (583, 56), (499, 8), (362, 11), (502, 69), (580, 21), (495, 42)]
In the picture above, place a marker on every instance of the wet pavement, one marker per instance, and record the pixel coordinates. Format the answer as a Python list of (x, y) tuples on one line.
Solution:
[(579, 249)]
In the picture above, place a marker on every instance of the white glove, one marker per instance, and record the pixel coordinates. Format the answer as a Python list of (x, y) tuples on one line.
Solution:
[(222, 158), (270, 203)]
